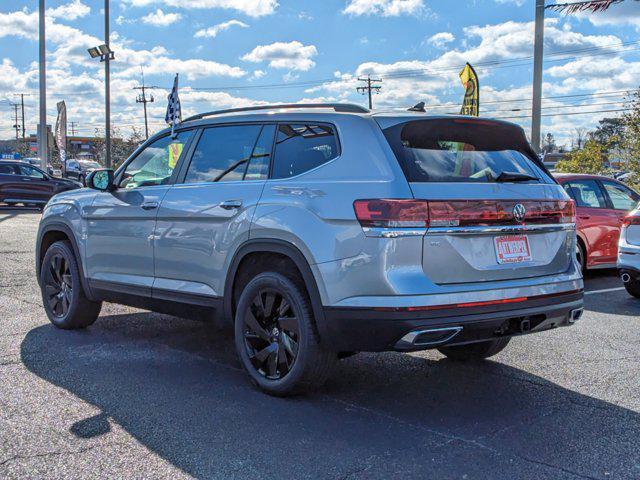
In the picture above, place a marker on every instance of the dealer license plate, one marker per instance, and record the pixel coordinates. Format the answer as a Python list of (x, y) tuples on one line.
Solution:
[(512, 249)]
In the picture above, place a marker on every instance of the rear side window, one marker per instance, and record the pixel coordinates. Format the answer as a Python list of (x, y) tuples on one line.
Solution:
[(460, 150), (586, 193), (303, 147), (7, 170), (222, 154)]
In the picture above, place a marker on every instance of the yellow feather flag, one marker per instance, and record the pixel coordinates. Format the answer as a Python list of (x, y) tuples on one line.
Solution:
[(471, 102)]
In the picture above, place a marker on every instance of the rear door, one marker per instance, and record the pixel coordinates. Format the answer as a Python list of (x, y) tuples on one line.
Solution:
[(484, 226), (598, 223), (208, 212), (9, 182)]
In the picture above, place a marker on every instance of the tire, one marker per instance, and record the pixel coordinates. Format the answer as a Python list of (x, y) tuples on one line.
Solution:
[(276, 339), (581, 256), (633, 287), (63, 297), (475, 351)]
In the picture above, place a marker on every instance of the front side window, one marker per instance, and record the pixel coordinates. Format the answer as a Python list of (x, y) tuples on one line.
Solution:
[(30, 172), (302, 147), (586, 193), (224, 153), (621, 197), (7, 170), (155, 164)]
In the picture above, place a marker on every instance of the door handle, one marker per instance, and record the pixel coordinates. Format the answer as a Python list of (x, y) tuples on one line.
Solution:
[(231, 204), (149, 205), (584, 217)]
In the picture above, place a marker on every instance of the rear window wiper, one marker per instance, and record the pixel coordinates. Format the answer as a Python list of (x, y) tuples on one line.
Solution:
[(515, 177)]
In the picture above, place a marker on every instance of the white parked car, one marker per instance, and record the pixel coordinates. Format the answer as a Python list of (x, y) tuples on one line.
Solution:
[(629, 252)]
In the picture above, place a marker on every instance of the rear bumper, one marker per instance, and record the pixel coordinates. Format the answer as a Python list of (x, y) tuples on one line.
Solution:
[(371, 329)]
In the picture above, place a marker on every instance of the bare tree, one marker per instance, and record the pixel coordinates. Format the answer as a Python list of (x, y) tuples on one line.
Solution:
[(577, 143)]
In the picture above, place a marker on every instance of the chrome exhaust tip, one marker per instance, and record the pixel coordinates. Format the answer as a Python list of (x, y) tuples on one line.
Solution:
[(626, 278), (429, 337), (575, 315)]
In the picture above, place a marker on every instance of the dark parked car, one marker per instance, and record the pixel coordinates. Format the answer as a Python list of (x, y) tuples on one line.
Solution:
[(26, 184), (79, 169)]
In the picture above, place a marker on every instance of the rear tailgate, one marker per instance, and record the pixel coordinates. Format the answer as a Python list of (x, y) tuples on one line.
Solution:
[(481, 229)]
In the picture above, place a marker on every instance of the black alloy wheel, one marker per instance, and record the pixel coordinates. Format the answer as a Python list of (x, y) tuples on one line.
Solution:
[(271, 334), (58, 285)]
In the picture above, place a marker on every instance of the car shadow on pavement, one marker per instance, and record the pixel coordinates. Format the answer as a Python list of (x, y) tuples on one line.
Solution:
[(7, 213), (176, 387)]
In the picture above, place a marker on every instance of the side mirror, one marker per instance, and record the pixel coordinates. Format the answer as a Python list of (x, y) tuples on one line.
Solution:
[(101, 179)]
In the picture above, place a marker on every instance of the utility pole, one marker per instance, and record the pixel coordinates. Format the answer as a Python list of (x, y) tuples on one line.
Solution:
[(16, 125), (22, 95), (142, 98), (368, 88), (107, 85), (43, 137), (73, 128), (538, 51)]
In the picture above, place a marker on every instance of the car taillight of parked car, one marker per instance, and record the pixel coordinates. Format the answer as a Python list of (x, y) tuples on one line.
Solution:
[(631, 220), (401, 213)]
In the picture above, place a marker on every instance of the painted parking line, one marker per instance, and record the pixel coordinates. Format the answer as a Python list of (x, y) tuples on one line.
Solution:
[(604, 290)]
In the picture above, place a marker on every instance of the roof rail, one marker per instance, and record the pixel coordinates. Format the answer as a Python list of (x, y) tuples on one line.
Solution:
[(338, 107)]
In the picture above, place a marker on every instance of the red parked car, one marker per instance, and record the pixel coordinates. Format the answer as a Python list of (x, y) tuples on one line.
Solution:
[(601, 204)]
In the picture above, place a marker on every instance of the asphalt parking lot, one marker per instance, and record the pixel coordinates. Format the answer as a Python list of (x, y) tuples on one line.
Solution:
[(143, 395)]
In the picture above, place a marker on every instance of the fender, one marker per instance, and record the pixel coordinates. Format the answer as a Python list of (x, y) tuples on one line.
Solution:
[(284, 248), (63, 228)]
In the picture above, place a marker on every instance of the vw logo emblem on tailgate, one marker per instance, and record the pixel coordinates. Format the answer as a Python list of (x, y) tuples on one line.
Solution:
[(519, 212)]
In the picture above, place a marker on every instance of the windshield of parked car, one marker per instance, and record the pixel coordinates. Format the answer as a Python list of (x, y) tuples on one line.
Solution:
[(451, 150), (90, 164)]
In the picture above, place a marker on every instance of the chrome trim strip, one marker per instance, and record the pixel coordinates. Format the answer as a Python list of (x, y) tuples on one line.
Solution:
[(479, 230)]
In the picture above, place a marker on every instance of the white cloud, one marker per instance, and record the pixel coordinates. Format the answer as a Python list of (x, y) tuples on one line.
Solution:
[(626, 13), (252, 8), (385, 8), (190, 68), (518, 3), (70, 11), (212, 32), (292, 55), (160, 19), (439, 40), (259, 73)]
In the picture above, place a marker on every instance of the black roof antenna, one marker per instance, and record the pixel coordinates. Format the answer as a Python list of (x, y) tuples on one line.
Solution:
[(418, 107)]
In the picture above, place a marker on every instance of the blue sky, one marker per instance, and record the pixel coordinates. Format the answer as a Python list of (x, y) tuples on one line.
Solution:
[(234, 52)]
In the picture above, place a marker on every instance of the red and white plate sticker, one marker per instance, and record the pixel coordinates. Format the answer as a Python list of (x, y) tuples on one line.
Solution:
[(512, 249)]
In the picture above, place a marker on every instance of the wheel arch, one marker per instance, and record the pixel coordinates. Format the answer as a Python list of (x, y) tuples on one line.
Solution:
[(288, 250), (51, 233)]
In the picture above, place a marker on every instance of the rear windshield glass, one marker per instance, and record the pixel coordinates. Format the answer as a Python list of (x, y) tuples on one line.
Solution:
[(450, 150)]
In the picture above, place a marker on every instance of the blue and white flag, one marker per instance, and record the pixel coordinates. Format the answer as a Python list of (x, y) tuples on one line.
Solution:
[(174, 111)]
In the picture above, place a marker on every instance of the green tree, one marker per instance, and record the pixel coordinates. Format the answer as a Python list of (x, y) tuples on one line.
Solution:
[(589, 159)]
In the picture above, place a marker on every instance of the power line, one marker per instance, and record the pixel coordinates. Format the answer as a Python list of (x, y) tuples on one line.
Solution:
[(368, 88)]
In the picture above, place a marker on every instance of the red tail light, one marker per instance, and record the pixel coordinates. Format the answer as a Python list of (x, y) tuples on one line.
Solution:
[(392, 213), (631, 220)]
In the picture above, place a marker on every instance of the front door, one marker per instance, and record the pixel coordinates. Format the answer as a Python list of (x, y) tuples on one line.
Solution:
[(34, 184), (208, 212), (120, 224)]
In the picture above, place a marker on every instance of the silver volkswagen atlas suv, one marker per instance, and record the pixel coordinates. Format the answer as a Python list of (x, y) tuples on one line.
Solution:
[(322, 230)]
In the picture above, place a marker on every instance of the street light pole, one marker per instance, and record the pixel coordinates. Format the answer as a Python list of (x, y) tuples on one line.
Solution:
[(107, 93), (538, 51), (43, 138)]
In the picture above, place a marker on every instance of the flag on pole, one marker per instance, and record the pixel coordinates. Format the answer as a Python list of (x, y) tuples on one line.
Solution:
[(61, 133), (174, 111), (471, 102), (594, 6)]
